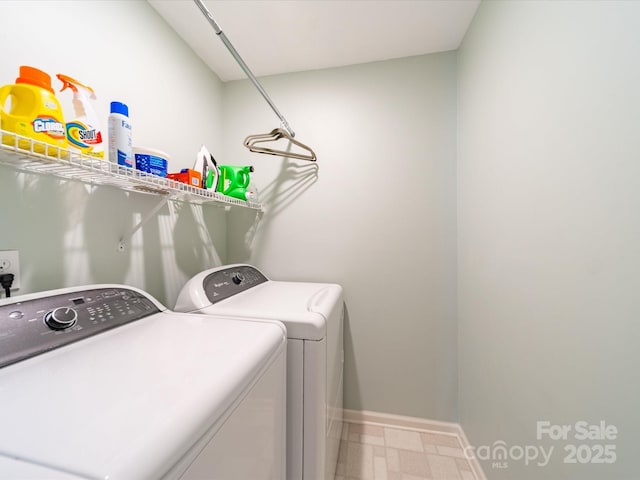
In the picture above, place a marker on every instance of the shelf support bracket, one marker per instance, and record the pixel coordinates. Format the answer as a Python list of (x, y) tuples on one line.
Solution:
[(124, 240)]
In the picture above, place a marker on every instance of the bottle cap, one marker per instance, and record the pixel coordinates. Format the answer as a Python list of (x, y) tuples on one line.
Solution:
[(36, 77), (117, 107)]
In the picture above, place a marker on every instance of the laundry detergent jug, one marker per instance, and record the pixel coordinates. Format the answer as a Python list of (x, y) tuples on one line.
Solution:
[(233, 181), (33, 112)]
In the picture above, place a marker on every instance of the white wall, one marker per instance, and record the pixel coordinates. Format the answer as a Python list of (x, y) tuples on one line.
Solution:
[(67, 232), (376, 214), (549, 229)]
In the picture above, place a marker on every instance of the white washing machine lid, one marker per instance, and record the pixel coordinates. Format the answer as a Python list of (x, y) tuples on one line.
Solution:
[(130, 402), (303, 307), (12, 469)]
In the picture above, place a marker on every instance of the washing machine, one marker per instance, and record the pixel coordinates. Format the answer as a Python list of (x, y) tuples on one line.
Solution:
[(103, 382), (313, 315)]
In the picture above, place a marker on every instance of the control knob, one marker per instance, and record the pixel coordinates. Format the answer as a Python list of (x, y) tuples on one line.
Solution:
[(237, 278), (61, 318)]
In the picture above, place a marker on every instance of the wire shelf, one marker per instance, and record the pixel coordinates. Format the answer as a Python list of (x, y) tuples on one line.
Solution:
[(26, 154)]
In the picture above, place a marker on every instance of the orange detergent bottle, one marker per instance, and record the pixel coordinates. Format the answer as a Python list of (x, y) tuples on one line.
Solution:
[(33, 112)]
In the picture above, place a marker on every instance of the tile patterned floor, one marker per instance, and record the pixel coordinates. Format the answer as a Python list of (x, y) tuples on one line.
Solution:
[(378, 452)]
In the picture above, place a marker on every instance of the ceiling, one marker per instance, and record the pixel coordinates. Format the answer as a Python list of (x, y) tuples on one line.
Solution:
[(281, 36)]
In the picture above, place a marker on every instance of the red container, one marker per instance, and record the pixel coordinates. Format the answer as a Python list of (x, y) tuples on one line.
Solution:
[(188, 176)]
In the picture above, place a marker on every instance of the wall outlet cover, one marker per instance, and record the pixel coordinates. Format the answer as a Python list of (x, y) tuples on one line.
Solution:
[(10, 263)]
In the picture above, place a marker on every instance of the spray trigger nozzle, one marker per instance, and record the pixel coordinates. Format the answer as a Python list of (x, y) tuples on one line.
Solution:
[(73, 84)]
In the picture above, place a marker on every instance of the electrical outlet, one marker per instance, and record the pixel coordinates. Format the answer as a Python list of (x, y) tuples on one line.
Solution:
[(10, 263)]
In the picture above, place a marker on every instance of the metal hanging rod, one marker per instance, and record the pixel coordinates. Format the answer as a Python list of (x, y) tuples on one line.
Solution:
[(243, 65)]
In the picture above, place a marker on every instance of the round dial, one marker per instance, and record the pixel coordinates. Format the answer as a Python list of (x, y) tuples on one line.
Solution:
[(61, 318), (237, 278)]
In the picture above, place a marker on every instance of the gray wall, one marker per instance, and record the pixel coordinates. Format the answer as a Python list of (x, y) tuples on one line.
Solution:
[(549, 263), (546, 197), (381, 198), (67, 233), (376, 214)]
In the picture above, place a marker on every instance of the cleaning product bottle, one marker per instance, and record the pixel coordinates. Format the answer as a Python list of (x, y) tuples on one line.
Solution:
[(234, 180), (120, 143), (252, 192), (83, 132), (34, 113)]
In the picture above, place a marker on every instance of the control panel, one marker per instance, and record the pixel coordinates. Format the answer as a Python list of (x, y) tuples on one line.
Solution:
[(32, 327), (230, 281)]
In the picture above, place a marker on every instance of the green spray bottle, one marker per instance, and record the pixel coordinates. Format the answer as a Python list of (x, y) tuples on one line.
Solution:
[(234, 180)]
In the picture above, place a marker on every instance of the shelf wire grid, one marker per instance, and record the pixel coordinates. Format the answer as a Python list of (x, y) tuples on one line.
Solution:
[(29, 155)]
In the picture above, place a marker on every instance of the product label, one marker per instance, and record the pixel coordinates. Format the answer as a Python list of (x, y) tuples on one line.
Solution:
[(151, 164), (123, 159), (83, 137), (49, 126)]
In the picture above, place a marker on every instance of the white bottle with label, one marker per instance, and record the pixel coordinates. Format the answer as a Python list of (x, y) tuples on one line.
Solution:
[(120, 143)]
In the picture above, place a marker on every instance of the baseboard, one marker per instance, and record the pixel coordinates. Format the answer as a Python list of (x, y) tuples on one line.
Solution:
[(414, 423)]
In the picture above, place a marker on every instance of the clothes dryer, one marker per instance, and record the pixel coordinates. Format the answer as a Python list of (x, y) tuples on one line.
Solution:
[(313, 314), (103, 382)]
